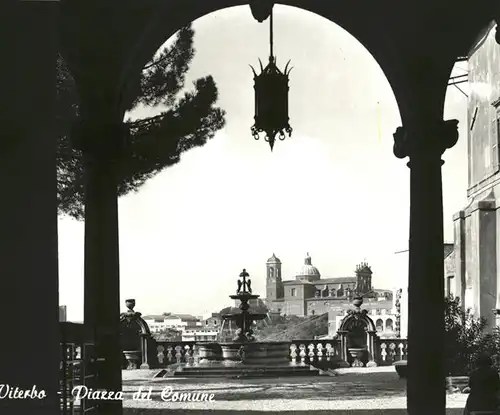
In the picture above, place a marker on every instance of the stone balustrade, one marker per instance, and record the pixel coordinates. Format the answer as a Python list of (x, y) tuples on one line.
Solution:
[(169, 353), (390, 351), (310, 352), (301, 352), (313, 351)]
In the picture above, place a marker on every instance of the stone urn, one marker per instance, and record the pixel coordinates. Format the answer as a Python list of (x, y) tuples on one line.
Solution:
[(130, 304), (357, 355), (358, 302), (133, 358)]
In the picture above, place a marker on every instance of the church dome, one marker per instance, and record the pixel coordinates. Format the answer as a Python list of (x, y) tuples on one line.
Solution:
[(274, 260), (308, 269)]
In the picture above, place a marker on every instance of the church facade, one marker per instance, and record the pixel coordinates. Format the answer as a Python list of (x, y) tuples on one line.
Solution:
[(309, 294), (472, 271)]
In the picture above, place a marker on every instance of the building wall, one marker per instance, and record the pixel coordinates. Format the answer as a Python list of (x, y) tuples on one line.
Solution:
[(476, 273), (484, 82)]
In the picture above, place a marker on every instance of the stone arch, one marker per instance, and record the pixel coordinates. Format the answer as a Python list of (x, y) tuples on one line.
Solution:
[(171, 15), (354, 319), (357, 331), (136, 340), (379, 325)]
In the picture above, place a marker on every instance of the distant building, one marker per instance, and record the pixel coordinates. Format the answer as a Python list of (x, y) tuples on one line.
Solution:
[(213, 322), (309, 294), (63, 313), (200, 335), (156, 323), (180, 322)]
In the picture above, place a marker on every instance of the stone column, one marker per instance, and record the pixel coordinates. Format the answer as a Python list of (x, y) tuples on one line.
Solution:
[(29, 346), (101, 140), (424, 143)]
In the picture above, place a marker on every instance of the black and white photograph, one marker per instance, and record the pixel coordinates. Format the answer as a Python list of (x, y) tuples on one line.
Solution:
[(231, 207)]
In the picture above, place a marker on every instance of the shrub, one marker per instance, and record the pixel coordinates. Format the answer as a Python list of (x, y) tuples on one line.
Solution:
[(465, 338)]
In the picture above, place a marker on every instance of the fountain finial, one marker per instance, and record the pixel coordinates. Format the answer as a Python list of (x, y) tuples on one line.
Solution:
[(244, 285)]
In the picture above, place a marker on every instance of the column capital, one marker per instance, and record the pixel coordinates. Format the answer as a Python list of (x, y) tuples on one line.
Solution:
[(425, 139), (99, 138)]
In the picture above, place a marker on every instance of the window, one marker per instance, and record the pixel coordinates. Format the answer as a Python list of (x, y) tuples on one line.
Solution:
[(293, 292)]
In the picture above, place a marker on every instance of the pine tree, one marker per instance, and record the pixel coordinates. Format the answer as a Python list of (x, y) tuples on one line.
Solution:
[(155, 143)]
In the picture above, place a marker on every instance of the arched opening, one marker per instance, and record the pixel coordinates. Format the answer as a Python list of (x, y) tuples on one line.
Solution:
[(389, 325)]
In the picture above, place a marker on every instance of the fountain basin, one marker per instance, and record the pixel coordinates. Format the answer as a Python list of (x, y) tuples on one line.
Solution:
[(357, 353), (257, 353), (209, 352), (260, 359), (133, 358)]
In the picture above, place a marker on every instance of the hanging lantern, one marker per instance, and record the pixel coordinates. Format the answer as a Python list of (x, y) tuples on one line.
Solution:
[(271, 99)]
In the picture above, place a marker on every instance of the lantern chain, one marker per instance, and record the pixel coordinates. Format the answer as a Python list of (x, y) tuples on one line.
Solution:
[(271, 40)]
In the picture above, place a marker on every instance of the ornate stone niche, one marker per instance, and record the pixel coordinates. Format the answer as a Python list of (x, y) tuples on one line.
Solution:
[(137, 342), (357, 335)]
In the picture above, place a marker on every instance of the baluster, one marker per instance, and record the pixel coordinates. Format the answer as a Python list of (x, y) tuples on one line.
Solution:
[(293, 353), (319, 353), (178, 354), (311, 356), (383, 352), (160, 355), (188, 355), (170, 354), (392, 353), (302, 354), (196, 357), (330, 351), (401, 352)]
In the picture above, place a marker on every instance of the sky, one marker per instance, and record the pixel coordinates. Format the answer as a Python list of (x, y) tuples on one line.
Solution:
[(334, 189)]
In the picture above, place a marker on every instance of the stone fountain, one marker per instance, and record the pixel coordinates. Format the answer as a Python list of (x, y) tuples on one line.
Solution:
[(243, 355)]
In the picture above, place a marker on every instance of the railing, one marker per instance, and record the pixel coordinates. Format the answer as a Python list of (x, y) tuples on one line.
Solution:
[(389, 351), (175, 352), (301, 351), (78, 368), (312, 352)]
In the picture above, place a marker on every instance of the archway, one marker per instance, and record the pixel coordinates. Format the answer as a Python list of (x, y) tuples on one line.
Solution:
[(94, 24)]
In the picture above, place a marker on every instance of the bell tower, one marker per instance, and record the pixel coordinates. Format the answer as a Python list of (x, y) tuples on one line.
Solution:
[(274, 285), (363, 278)]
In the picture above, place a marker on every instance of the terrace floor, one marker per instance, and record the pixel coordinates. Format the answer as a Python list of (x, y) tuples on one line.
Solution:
[(352, 391)]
